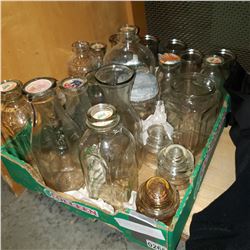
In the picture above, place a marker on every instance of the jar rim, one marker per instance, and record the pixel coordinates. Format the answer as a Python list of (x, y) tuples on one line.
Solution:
[(113, 66)]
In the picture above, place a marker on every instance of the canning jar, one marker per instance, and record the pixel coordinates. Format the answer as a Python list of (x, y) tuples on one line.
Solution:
[(55, 137), (192, 106), (107, 154), (174, 46)]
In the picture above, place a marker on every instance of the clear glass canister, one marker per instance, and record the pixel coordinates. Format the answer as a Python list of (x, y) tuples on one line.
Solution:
[(212, 67), (130, 52), (191, 61), (83, 60), (176, 164), (107, 154), (16, 120), (99, 50), (192, 106), (158, 199), (169, 67), (157, 139), (55, 137), (76, 99)]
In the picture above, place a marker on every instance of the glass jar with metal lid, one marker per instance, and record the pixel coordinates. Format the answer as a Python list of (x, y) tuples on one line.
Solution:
[(174, 46), (107, 154), (99, 50), (55, 137)]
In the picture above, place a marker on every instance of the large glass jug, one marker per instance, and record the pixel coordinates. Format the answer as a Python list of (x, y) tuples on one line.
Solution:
[(107, 154), (55, 137), (192, 106), (130, 52)]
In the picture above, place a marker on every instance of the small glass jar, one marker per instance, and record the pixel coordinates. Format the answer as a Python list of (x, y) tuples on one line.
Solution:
[(176, 164), (83, 61), (99, 50), (192, 105), (16, 120), (169, 68), (130, 52), (157, 139), (212, 67), (107, 154), (76, 99), (191, 61), (229, 58), (158, 199), (55, 137)]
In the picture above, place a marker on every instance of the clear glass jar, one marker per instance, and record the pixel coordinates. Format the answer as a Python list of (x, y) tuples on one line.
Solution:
[(130, 52), (191, 61), (174, 46), (158, 199), (157, 139), (229, 58), (192, 106), (107, 154), (55, 137), (176, 164), (16, 120), (212, 67), (76, 99), (169, 67), (83, 61), (152, 43), (99, 50)]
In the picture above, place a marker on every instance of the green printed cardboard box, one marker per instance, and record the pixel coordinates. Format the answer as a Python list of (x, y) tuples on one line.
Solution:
[(135, 226)]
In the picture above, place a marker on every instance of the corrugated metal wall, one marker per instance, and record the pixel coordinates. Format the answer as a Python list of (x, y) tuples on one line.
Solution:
[(203, 25)]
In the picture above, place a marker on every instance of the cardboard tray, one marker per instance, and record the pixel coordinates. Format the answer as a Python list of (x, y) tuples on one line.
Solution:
[(135, 226)]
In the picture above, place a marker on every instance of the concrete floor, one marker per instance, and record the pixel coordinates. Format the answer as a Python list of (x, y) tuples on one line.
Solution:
[(36, 222)]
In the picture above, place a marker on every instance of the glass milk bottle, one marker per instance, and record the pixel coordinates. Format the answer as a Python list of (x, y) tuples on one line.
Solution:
[(55, 137), (107, 154)]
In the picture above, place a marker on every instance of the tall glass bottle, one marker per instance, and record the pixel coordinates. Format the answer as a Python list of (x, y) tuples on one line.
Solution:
[(16, 120), (212, 67), (116, 82), (107, 154), (76, 99), (83, 60), (55, 137), (130, 52), (169, 67)]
